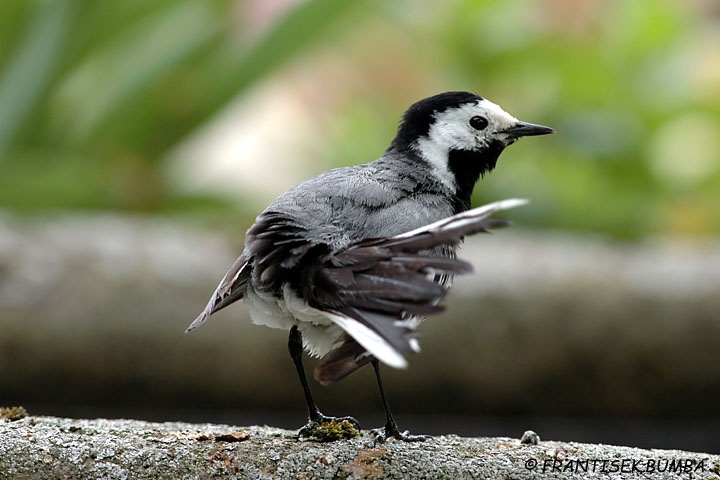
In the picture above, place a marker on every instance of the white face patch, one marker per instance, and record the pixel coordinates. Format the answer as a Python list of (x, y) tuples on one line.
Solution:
[(451, 130)]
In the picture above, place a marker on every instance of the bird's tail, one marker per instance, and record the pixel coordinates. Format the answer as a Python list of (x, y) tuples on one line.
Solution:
[(230, 290)]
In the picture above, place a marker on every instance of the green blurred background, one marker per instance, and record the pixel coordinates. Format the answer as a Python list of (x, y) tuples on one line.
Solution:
[(98, 100), (198, 112)]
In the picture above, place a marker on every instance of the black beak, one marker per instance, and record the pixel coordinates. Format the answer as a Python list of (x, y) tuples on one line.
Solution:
[(524, 129)]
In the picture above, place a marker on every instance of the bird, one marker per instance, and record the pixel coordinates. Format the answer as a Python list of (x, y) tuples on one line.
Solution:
[(352, 260)]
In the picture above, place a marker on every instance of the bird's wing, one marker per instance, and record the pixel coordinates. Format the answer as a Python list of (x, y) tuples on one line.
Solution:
[(275, 244), (374, 286), (230, 290), (275, 247)]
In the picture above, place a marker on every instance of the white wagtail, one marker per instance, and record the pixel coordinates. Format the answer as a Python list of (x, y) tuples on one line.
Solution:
[(351, 261)]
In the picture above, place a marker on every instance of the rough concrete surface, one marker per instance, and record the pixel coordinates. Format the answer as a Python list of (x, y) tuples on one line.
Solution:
[(58, 448)]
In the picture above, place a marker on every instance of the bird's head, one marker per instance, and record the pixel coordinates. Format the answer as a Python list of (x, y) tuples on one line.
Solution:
[(460, 135)]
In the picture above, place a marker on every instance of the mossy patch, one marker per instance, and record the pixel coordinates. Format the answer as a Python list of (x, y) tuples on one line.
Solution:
[(333, 430), (11, 414)]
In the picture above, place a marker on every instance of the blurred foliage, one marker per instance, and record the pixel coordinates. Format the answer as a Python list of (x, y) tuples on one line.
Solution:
[(94, 94)]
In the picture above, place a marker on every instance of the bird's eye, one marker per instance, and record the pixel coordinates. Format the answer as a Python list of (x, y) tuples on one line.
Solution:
[(478, 122)]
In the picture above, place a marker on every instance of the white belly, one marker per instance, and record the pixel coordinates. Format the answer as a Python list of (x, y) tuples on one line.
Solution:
[(319, 333)]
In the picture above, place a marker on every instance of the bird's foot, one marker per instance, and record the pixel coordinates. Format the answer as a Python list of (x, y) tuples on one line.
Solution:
[(328, 429), (391, 431)]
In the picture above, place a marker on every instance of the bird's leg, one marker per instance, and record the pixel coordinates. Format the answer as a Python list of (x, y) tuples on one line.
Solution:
[(391, 429), (315, 417), (295, 349)]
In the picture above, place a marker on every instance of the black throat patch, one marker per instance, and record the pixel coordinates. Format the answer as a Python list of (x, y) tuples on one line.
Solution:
[(468, 166)]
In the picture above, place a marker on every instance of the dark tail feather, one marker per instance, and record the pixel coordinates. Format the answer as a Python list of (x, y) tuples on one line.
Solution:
[(341, 362), (230, 290)]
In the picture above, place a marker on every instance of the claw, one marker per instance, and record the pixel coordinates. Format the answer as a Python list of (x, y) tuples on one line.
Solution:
[(391, 431), (328, 429)]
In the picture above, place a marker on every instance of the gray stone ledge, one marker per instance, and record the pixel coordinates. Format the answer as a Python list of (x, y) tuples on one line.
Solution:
[(48, 448)]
